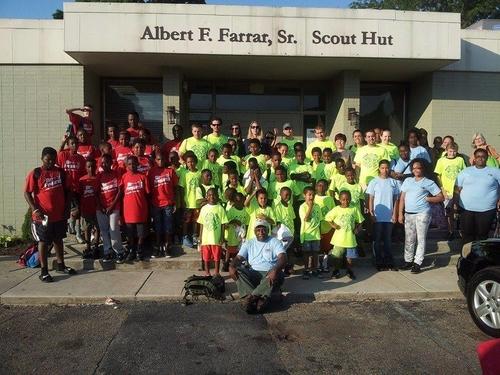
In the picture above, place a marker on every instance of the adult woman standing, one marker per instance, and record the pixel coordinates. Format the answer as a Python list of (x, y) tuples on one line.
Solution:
[(236, 135), (415, 213), (478, 141), (254, 132), (477, 192)]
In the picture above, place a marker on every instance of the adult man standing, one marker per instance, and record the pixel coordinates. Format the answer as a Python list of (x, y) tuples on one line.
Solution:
[(133, 126), (216, 138), (367, 159), (83, 121), (288, 139), (321, 141), (266, 258), (173, 144), (196, 143)]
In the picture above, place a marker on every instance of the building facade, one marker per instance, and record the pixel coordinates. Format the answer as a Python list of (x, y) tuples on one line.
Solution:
[(342, 68)]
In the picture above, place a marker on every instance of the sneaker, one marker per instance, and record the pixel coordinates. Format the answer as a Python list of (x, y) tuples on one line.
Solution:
[(392, 267), (335, 274), (140, 257), (325, 270), (79, 239), (156, 253), (381, 267), (96, 254), (167, 252), (108, 258), (87, 254), (317, 273), (120, 258), (131, 256), (406, 266), (351, 274), (306, 275), (195, 241), (67, 270), (187, 242), (415, 268), (46, 278)]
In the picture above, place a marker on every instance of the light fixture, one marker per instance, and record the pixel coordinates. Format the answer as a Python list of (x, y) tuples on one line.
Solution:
[(353, 117), (171, 115)]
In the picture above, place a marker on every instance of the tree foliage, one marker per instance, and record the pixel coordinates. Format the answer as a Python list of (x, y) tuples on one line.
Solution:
[(471, 11), (59, 14)]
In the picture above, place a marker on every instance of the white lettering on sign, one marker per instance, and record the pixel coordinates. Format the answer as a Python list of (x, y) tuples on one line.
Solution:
[(227, 35)]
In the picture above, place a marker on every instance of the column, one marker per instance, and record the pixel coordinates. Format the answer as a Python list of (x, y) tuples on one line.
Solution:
[(172, 97)]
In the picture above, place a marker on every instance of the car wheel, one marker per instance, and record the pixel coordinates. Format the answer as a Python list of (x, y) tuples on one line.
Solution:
[(483, 300)]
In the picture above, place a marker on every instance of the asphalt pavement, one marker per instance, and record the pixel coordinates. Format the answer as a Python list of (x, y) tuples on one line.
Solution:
[(344, 337)]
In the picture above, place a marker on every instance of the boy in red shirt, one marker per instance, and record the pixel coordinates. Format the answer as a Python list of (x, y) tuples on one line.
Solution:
[(81, 122), (85, 148), (123, 150), (135, 189), (88, 186), (113, 135), (108, 210), (105, 148), (143, 162), (164, 196), (74, 165), (47, 192)]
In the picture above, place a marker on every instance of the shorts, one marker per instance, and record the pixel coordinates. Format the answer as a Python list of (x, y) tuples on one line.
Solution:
[(54, 231), (211, 252), (311, 246), (90, 220), (163, 219), (341, 252), (325, 242), (232, 250), (136, 230), (191, 215)]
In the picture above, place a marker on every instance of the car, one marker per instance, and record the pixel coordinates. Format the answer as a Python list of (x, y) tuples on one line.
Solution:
[(478, 270)]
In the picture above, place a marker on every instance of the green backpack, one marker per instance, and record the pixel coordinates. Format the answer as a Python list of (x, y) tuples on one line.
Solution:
[(208, 286)]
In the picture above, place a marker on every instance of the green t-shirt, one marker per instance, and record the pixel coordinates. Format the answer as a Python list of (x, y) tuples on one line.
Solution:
[(200, 148), (230, 233), (284, 215), (287, 161), (290, 143), (367, 158), (321, 144), (310, 230), (212, 217), (326, 203), (201, 190), (221, 160), (274, 189), (216, 142), (392, 150), (346, 218), (190, 182), (336, 180), (330, 170), (216, 170), (299, 185), (254, 210), (448, 170), (261, 160), (356, 194), (318, 171)]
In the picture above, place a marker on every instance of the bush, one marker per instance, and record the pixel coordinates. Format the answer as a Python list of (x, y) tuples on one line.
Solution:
[(26, 228)]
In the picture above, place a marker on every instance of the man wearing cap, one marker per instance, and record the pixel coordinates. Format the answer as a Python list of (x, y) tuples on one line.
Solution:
[(288, 139), (266, 258)]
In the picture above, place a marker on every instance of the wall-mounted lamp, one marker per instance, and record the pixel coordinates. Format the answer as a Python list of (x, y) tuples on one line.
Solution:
[(353, 117), (171, 115)]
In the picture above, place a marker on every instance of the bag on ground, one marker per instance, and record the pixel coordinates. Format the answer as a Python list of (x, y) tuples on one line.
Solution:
[(29, 257), (208, 286)]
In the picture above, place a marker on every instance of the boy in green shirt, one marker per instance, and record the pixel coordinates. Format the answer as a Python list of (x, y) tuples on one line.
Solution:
[(346, 220), (212, 221), (258, 209), (321, 141), (310, 236), (338, 178), (238, 219), (189, 181), (447, 170), (227, 155), (196, 144), (206, 182), (280, 182), (254, 148), (326, 203), (367, 159), (318, 167), (284, 151), (330, 169), (211, 164)]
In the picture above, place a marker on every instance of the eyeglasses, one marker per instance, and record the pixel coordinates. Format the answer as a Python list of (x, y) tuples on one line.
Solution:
[(215, 124), (255, 127), (287, 129), (235, 128)]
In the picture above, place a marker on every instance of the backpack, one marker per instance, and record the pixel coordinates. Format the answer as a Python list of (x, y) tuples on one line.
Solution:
[(208, 286), (29, 257)]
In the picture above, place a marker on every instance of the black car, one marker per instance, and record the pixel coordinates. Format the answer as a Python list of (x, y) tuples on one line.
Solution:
[(479, 280)]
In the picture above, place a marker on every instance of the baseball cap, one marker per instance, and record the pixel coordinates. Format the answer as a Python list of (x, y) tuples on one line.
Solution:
[(286, 125), (262, 223)]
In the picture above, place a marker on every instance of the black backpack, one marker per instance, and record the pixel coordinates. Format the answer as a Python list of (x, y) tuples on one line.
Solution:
[(208, 286)]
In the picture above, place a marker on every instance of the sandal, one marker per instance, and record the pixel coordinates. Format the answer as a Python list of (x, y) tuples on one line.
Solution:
[(46, 278)]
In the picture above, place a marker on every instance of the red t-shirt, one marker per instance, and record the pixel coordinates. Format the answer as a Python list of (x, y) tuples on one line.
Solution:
[(162, 182), (88, 193), (81, 122), (134, 133), (114, 143), (144, 164), (48, 192), (114, 166), (121, 153), (73, 165), (135, 188), (149, 150), (88, 151), (108, 187), (172, 145)]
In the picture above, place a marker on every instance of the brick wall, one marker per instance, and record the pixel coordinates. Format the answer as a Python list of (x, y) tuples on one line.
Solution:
[(33, 100)]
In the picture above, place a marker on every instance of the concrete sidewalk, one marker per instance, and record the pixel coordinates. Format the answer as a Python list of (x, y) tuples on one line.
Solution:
[(22, 286)]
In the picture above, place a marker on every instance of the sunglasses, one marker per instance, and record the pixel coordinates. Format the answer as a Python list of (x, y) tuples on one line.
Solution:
[(287, 129), (255, 127), (215, 124), (235, 128)]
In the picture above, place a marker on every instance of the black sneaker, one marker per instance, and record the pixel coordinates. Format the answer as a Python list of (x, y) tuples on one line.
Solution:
[(120, 258), (392, 267), (306, 275), (87, 254), (335, 274), (381, 267), (317, 273), (351, 274), (46, 278), (415, 268), (66, 270), (131, 256), (96, 254), (406, 266), (140, 257), (108, 258)]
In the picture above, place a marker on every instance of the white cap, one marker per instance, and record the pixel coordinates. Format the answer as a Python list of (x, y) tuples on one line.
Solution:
[(262, 223)]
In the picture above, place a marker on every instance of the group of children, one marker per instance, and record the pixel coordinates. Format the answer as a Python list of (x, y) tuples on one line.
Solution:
[(206, 192)]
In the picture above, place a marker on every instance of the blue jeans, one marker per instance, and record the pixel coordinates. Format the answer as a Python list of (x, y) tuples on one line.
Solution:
[(163, 218), (383, 241)]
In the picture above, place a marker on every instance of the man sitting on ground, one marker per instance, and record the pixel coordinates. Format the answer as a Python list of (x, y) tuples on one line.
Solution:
[(265, 258)]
